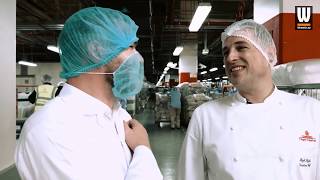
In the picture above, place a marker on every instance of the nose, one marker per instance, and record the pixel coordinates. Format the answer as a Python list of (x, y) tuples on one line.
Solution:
[(232, 56)]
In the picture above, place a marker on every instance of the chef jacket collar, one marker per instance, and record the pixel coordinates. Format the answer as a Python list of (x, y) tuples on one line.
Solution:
[(85, 103), (274, 96)]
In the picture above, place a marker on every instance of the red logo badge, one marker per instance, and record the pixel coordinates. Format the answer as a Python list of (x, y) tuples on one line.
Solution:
[(307, 137)]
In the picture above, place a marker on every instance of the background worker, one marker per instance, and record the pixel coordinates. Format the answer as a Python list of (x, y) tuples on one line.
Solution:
[(175, 107), (43, 93)]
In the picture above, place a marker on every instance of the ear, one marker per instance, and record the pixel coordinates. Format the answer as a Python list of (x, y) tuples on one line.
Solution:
[(272, 55)]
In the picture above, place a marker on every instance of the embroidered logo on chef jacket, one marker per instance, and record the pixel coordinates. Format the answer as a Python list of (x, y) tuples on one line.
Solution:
[(307, 137), (305, 162)]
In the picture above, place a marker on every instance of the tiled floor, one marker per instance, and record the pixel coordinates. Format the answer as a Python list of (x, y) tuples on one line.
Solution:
[(165, 144), (11, 174)]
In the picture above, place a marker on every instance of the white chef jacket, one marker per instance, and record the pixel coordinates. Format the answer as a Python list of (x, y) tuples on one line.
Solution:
[(77, 137), (228, 139)]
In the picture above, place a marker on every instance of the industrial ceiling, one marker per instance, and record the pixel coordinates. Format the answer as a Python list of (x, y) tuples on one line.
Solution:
[(162, 25)]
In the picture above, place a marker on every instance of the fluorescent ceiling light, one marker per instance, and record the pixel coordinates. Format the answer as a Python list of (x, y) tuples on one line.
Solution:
[(224, 66), (166, 68), (202, 66), (213, 69), (53, 48), (170, 64), (217, 78), (205, 51), (159, 82), (199, 16), (225, 77), (26, 63), (177, 51), (209, 79), (203, 72)]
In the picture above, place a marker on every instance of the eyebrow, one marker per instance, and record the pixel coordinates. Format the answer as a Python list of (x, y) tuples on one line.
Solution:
[(236, 43), (240, 42)]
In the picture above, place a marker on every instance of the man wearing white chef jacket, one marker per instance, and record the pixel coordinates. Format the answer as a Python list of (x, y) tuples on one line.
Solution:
[(84, 134), (260, 133)]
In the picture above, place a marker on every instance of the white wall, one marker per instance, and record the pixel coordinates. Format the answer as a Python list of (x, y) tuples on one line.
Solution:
[(264, 10), (8, 82), (288, 6)]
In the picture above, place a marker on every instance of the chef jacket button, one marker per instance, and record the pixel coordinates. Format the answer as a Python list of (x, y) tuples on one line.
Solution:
[(106, 115), (235, 159), (231, 129), (280, 103), (281, 159), (281, 127)]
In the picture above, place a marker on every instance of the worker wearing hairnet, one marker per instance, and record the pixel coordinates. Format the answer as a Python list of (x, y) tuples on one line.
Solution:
[(84, 133), (260, 133)]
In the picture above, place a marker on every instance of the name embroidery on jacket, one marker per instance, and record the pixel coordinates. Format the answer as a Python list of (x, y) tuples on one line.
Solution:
[(304, 162)]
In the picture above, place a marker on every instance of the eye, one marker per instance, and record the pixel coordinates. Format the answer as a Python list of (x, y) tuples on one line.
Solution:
[(225, 52), (241, 48)]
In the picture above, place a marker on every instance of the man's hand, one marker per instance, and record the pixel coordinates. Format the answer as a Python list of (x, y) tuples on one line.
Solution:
[(136, 134)]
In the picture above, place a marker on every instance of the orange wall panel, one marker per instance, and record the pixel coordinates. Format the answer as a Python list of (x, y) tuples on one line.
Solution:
[(299, 44), (293, 45), (184, 77)]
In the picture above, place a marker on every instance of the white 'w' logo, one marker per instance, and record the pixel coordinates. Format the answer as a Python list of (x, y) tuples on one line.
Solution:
[(303, 14)]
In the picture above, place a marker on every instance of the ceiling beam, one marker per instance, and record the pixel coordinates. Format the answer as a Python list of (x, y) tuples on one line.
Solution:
[(33, 10), (43, 27)]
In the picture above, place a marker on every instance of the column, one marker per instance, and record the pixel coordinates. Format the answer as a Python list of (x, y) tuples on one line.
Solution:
[(8, 83), (188, 63)]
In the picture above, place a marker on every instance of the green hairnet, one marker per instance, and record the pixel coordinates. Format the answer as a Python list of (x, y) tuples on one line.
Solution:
[(92, 37)]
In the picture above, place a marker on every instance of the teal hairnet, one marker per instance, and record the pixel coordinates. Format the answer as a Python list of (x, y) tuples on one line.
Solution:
[(92, 37)]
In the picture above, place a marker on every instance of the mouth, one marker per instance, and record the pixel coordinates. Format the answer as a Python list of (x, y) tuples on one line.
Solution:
[(236, 68)]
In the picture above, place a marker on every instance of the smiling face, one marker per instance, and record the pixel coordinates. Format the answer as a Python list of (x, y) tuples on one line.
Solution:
[(244, 63)]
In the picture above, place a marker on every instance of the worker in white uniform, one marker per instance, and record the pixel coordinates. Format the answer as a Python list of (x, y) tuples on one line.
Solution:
[(260, 133), (84, 133)]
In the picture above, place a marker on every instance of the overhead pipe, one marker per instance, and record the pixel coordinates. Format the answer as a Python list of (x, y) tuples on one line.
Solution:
[(151, 34), (215, 43), (205, 40), (43, 27)]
